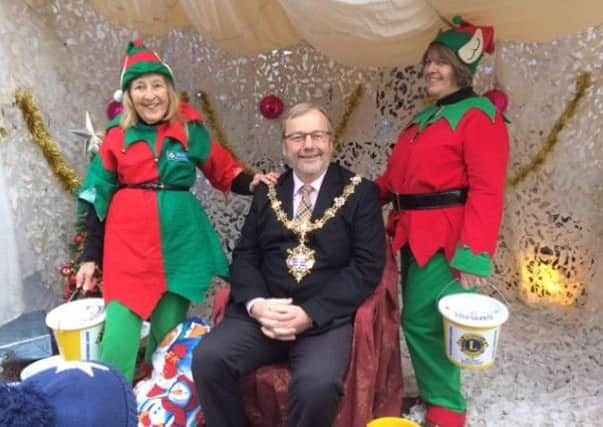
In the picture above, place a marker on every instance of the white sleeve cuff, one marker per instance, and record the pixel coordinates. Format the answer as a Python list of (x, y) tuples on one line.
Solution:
[(250, 303)]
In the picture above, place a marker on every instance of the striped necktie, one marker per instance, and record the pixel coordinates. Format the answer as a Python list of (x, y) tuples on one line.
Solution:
[(304, 208)]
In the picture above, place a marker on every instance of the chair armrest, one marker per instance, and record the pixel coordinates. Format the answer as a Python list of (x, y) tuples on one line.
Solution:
[(220, 303), (373, 383)]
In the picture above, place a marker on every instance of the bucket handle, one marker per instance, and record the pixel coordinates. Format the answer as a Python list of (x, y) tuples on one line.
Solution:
[(77, 293), (487, 282), (74, 295)]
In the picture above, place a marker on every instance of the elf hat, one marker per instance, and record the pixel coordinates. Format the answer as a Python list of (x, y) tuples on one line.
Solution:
[(467, 41), (140, 61)]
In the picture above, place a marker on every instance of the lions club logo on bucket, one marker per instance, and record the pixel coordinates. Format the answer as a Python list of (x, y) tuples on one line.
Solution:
[(472, 345)]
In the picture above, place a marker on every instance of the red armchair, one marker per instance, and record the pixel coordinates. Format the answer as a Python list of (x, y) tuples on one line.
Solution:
[(373, 383)]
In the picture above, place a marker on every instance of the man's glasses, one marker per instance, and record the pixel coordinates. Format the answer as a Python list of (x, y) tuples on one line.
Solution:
[(316, 136)]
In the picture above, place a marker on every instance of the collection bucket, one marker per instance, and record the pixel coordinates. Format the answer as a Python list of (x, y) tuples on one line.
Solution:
[(77, 327), (471, 328), (392, 422)]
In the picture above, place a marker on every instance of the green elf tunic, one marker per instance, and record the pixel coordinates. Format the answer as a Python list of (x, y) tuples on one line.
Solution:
[(157, 241)]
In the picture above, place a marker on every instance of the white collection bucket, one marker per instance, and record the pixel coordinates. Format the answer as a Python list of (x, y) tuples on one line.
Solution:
[(471, 328), (77, 327)]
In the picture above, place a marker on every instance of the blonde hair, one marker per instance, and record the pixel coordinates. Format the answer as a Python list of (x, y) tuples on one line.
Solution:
[(130, 118), (461, 72), (301, 109)]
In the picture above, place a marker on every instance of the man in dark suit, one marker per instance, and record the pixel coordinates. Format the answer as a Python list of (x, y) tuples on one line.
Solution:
[(312, 249)]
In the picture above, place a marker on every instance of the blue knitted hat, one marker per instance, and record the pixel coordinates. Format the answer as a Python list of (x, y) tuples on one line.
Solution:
[(70, 394)]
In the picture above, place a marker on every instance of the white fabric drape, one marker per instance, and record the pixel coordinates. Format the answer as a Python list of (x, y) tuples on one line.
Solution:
[(240, 27), (355, 32), (11, 303), (365, 33), (154, 17)]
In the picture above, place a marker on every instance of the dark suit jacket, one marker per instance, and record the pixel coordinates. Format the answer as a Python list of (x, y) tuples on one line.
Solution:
[(350, 252)]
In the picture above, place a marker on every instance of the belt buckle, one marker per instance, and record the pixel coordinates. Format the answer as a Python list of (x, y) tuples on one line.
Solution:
[(396, 202), (154, 186)]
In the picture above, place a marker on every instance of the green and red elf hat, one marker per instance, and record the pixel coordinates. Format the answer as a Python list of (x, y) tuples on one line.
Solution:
[(467, 41), (140, 61)]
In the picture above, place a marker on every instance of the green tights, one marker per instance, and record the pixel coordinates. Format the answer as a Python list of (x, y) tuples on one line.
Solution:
[(121, 336), (439, 380)]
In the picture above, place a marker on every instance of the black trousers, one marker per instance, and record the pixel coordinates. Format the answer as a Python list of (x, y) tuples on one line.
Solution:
[(236, 347)]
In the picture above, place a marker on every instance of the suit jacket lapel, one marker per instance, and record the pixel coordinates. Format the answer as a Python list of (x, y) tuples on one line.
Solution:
[(284, 192), (331, 187)]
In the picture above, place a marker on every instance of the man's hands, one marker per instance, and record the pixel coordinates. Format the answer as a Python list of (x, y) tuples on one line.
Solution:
[(280, 319)]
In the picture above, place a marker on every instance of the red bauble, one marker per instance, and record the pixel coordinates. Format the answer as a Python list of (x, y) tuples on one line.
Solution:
[(79, 239), (498, 98), (271, 107), (114, 109)]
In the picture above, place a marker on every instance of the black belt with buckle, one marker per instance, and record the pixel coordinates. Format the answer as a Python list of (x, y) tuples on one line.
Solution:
[(155, 186), (443, 199)]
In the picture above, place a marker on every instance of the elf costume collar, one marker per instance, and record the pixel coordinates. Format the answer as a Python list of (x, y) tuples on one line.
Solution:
[(457, 96), (148, 133), (143, 132), (453, 108)]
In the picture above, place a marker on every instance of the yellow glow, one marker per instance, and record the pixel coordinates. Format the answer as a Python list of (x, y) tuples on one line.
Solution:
[(543, 284), (549, 279)]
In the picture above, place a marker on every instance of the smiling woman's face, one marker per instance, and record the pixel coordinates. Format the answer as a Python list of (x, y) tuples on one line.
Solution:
[(439, 75), (149, 95)]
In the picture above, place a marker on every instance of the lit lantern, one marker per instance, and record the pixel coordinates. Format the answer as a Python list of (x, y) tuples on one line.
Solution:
[(549, 276)]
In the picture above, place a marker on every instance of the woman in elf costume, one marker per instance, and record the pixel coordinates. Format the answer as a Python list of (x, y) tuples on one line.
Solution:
[(158, 248), (446, 180)]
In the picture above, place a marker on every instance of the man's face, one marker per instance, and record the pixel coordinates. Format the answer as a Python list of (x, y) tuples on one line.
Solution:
[(308, 145)]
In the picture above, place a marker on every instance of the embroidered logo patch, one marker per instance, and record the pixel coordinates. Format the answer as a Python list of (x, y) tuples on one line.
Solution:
[(177, 156)]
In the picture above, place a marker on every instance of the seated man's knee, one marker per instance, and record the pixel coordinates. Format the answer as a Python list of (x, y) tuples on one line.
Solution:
[(208, 363), (316, 388)]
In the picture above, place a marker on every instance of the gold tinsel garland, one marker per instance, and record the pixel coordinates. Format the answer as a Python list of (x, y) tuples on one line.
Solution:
[(70, 181), (212, 120), (33, 119), (214, 124), (345, 119), (583, 82)]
